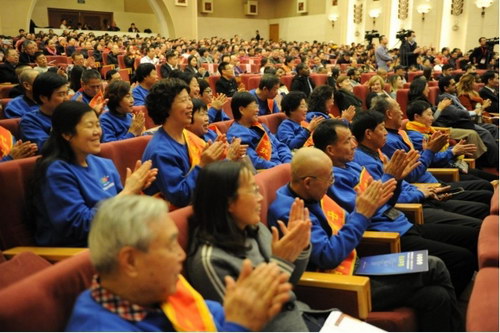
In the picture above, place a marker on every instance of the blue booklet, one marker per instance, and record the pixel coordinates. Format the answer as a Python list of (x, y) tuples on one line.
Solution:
[(394, 263)]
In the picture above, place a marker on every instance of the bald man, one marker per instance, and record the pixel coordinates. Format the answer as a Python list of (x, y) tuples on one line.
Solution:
[(25, 103), (336, 233)]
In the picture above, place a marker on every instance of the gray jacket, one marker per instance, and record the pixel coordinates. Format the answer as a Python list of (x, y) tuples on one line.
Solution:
[(209, 265)]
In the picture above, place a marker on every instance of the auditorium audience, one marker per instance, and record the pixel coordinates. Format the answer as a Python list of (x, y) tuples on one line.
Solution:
[(146, 75)]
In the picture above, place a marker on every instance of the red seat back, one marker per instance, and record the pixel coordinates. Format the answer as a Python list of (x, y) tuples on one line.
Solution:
[(125, 153), (180, 217), (487, 244), (105, 58), (253, 82), (44, 301), (319, 79), (482, 310), (433, 94), (21, 266), (273, 121), (14, 179), (402, 99), (5, 89), (287, 81), (494, 203), (105, 69), (3, 103), (212, 80), (124, 74), (245, 77), (269, 182), (57, 60), (411, 75), (365, 77), (121, 61), (478, 86), (223, 126), (361, 91), (13, 126), (149, 123)]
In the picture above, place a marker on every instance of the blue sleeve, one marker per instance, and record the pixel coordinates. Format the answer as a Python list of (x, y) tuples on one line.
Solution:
[(66, 208), (138, 98), (276, 109), (217, 312), (287, 135), (329, 251), (217, 115), (109, 132), (440, 159), (176, 186), (31, 131), (246, 138), (285, 155), (410, 193)]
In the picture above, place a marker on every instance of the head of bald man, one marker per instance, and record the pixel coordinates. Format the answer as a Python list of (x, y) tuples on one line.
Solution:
[(311, 173), (26, 79)]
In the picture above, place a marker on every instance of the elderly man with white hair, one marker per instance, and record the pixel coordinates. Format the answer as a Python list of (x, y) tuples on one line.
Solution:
[(138, 287)]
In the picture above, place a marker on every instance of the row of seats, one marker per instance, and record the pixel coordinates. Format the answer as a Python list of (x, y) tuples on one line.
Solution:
[(482, 312)]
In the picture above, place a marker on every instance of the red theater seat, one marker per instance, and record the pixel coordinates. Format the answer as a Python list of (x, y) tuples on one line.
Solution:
[(487, 244), (12, 125), (253, 82), (361, 91), (482, 311), (402, 99), (272, 121), (319, 79)]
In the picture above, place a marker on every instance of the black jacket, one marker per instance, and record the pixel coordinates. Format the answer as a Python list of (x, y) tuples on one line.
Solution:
[(486, 93), (344, 99), (299, 83), (8, 73), (480, 53), (227, 87)]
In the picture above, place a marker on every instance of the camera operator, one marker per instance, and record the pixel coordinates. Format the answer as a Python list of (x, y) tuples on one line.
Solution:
[(409, 51), (382, 56), (482, 55)]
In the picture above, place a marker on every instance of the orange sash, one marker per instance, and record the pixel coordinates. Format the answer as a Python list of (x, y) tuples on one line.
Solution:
[(264, 148), (425, 131), (309, 142), (336, 219), (187, 310), (195, 146), (406, 138), (270, 104), (364, 178), (6, 142), (215, 129)]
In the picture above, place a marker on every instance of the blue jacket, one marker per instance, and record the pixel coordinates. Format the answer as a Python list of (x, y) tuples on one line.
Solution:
[(328, 250), (371, 161), (263, 106), (176, 179), (311, 114), (215, 115), (342, 191), (18, 106), (89, 316), (139, 93), (115, 126), (68, 198), (210, 135), (292, 134), (251, 136), (85, 98), (35, 127), (441, 159), (420, 173)]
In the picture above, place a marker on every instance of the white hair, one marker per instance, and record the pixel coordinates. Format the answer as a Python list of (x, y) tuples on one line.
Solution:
[(122, 221)]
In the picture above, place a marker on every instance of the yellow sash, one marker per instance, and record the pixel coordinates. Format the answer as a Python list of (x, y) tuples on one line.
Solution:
[(309, 142), (187, 310), (6, 142), (406, 138), (195, 146), (264, 148), (336, 219), (425, 131)]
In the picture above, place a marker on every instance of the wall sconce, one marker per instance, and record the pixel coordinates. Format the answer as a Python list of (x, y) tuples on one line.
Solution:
[(483, 4), (333, 18), (423, 9), (374, 13)]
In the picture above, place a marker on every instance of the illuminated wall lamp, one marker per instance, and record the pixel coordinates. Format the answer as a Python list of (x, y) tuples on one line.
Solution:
[(483, 4), (333, 18), (374, 13), (423, 9)]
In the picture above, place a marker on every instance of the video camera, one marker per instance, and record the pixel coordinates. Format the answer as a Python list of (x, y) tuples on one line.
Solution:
[(369, 35), (491, 42), (402, 34)]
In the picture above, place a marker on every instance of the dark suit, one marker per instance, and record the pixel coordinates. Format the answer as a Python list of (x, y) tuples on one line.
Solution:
[(406, 55), (25, 58), (8, 73), (480, 53), (225, 86), (302, 83), (165, 70), (486, 93), (112, 59), (344, 99)]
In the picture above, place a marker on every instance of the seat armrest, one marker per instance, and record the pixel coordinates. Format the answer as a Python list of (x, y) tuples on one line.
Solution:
[(52, 254), (445, 130), (350, 294), (471, 162), (445, 174), (378, 242), (413, 211)]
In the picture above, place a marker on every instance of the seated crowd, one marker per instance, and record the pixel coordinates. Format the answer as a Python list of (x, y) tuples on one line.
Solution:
[(356, 150)]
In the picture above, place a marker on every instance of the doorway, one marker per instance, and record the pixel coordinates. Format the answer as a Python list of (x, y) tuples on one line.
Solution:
[(274, 32)]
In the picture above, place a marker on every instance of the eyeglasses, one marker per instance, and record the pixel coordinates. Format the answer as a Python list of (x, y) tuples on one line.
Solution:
[(255, 190), (329, 181)]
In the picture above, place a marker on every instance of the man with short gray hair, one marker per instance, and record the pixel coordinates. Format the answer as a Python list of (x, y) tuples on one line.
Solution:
[(138, 287), (28, 54)]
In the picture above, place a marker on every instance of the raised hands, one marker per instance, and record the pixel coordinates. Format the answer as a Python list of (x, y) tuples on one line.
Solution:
[(462, 148), (296, 235), (137, 124), (23, 149), (349, 113), (212, 152), (235, 151), (402, 163), (375, 195), (140, 179), (219, 101), (257, 296), (314, 123), (444, 104), (435, 142)]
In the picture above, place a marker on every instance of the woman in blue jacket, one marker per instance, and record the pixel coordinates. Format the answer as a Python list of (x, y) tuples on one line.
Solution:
[(69, 180)]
